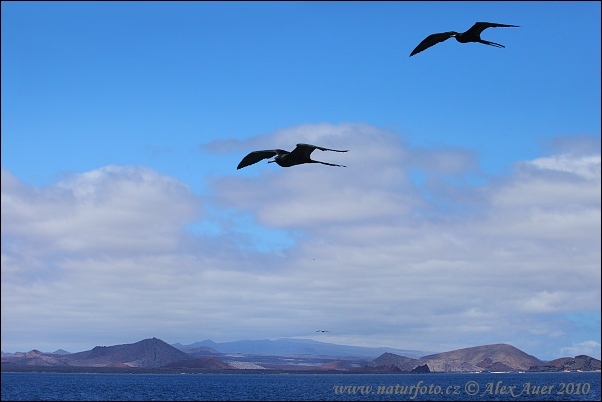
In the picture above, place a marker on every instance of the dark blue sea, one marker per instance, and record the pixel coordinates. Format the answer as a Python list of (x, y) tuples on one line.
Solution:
[(326, 387)]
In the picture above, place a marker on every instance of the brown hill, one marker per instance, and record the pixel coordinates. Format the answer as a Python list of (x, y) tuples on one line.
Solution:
[(210, 363), (402, 362), (421, 369), (498, 357), (35, 358), (490, 365), (148, 353), (577, 363)]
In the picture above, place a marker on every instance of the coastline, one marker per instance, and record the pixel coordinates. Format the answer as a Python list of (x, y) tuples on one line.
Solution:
[(141, 370)]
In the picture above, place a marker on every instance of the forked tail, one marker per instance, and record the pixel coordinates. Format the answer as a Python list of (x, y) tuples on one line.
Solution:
[(485, 42)]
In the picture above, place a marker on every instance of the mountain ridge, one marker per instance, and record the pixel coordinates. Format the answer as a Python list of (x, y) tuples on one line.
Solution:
[(148, 353), (155, 354), (577, 363), (487, 358), (294, 346), (475, 359)]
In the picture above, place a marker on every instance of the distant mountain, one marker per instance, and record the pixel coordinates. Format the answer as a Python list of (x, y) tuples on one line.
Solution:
[(34, 358), (200, 351), (148, 353), (21, 354), (499, 357), (475, 359), (577, 363), (156, 355), (11, 355), (291, 346), (402, 362), (60, 352)]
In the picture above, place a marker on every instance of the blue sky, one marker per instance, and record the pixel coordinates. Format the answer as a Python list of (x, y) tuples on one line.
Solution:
[(469, 212)]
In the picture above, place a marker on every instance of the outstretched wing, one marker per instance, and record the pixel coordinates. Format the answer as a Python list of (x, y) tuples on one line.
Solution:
[(479, 27), (256, 156), (432, 40), (307, 149)]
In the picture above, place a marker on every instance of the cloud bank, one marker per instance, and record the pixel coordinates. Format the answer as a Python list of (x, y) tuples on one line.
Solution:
[(399, 249)]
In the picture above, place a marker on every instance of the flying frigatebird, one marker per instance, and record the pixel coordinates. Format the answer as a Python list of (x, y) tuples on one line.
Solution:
[(472, 35), (297, 156)]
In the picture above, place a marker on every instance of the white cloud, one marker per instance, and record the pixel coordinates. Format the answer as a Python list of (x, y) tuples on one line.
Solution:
[(377, 263), (112, 209), (587, 167), (590, 348)]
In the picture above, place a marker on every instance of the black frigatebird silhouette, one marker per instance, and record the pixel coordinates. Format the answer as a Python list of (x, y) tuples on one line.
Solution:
[(297, 156), (322, 330), (472, 35)]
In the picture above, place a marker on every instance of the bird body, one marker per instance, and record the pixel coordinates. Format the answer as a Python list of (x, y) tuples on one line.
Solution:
[(472, 35), (299, 155)]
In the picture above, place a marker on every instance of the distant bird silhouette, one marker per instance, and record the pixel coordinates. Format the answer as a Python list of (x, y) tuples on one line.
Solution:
[(472, 35), (322, 330), (297, 156)]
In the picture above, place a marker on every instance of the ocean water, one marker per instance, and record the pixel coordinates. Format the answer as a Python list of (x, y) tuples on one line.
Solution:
[(328, 387)]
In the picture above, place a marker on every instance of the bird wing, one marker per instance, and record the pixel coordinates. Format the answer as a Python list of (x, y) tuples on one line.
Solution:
[(479, 27), (307, 149), (256, 156), (432, 40)]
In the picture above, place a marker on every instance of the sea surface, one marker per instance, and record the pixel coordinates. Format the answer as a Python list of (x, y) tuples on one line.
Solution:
[(328, 387)]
